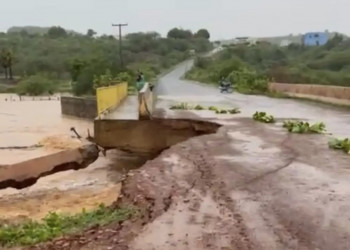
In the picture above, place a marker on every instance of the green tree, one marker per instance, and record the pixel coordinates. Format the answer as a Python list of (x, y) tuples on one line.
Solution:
[(180, 34), (36, 85), (76, 67), (335, 41), (7, 60), (91, 33), (203, 33), (57, 32), (3, 62)]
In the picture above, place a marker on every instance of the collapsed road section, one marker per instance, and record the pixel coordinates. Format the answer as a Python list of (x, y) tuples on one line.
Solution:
[(142, 137), (26, 173)]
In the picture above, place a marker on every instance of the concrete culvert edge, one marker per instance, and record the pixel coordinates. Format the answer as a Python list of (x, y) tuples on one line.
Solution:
[(25, 174)]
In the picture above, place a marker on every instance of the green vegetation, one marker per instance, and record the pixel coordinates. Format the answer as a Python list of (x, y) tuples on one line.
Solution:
[(82, 59), (181, 106), (55, 225), (250, 67), (224, 111), (301, 127), (36, 85), (263, 117), (340, 144), (199, 107), (246, 80), (186, 106)]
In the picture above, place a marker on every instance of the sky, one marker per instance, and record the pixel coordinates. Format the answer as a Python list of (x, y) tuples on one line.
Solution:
[(225, 19)]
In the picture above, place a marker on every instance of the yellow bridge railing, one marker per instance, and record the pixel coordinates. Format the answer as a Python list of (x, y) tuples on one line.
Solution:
[(110, 97)]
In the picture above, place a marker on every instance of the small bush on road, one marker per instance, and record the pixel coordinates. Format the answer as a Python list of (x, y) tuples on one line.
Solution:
[(340, 144), (301, 127), (263, 117)]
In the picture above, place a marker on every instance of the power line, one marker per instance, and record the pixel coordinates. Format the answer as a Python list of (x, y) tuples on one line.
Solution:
[(120, 25)]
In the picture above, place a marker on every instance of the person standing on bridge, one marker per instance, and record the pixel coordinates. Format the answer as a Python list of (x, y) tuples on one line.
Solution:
[(140, 81)]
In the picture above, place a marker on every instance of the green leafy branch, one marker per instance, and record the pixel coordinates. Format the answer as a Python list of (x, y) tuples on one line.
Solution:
[(301, 127), (340, 144), (263, 117)]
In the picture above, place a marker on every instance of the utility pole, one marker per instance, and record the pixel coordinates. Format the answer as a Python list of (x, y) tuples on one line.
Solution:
[(120, 25)]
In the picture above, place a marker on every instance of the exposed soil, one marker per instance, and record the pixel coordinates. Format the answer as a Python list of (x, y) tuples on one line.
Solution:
[(70, 191), (259, 188)]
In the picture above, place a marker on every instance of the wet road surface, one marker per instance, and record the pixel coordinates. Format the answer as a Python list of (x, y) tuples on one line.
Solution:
[(172, 87)]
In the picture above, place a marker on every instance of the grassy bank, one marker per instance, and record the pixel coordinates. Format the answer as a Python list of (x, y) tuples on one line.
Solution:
[(55, 225)]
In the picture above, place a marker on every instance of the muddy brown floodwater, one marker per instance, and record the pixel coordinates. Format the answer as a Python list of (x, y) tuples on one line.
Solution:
[(29, 122)]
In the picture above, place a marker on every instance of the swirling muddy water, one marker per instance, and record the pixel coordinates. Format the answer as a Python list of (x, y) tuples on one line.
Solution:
[(33, 120)]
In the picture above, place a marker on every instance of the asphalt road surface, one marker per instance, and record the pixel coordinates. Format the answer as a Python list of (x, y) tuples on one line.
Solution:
[(173, 87)]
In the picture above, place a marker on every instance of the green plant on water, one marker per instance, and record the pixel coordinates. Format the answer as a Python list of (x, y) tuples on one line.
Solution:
[(221, 111), (199, 107), (340, 144), (263, 117), (55, 225), (301, 127), (213, 108), (224, 111), (181, 106), (228, 111), (234, 111)]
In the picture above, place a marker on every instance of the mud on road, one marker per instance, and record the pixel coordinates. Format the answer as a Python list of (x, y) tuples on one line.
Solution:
[(249, 186)]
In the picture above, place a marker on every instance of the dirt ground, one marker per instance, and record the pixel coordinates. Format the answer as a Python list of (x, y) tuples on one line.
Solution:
[(249, 186), (70, 191)]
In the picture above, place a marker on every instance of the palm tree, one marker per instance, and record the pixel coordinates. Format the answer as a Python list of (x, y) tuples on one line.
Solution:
[(10, 59), (3, 62), (6, 61)]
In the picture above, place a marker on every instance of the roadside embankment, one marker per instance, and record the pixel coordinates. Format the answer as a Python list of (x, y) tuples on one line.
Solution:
[(324, 93)]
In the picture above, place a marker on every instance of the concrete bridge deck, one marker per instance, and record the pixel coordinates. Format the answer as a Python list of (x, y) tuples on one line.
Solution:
[(127, 110)]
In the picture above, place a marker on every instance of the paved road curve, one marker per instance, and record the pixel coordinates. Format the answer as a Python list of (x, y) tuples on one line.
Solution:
[(174, 87)]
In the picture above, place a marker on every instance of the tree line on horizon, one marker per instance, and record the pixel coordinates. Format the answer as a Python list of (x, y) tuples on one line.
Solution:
[(47, 59)]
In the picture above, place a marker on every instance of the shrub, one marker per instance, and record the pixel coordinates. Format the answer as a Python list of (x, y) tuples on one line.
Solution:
[(36, 85), (263, 117), (304, 127), (199, 107), (181, 106), (340, 144)]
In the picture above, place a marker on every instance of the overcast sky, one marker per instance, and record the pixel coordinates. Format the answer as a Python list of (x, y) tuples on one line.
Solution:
[(223, 18)]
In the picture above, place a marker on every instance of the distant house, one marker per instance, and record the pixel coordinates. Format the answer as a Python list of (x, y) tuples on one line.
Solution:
[(315, 38), (244, 40), (285, 43)]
